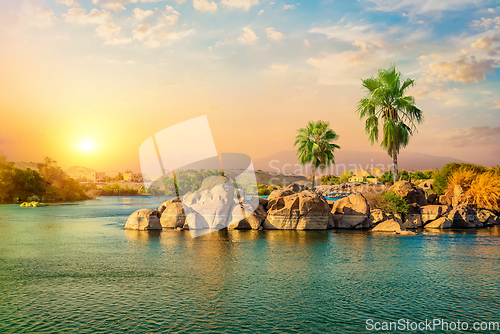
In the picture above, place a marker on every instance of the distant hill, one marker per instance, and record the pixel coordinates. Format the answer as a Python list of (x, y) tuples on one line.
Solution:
[(355, 159), (79, 172)]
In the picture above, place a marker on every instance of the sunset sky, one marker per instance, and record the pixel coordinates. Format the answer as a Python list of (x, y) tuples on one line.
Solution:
[(86, 82)]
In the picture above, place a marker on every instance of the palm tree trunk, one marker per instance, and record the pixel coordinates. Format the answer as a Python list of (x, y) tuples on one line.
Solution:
[(395, 162), (313, 176)]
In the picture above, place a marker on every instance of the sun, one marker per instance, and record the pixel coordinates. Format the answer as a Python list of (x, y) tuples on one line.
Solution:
[(87, 145)]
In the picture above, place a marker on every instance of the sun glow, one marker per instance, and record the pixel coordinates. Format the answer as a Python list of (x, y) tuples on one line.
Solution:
[(86, 145)]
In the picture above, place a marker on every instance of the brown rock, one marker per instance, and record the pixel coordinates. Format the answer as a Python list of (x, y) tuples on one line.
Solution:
[(300, 211), (251, 218), (388, 226), (488, 218), (431, 212), (351, 212), (413, 221), (443, 222), (431, 198), (144, 219), (410, 192), (172, 214), (464, 217)]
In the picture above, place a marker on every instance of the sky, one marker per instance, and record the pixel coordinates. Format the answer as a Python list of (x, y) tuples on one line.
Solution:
[(87, 82)]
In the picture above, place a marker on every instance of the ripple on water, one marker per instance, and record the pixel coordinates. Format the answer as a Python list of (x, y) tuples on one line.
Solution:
[(74, 269)]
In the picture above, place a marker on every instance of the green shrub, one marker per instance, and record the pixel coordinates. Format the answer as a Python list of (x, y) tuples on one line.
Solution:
[(393, 203), (387, 177), (330, 179)]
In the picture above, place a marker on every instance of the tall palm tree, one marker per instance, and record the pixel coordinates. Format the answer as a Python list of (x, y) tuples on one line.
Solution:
[(315, 146), (386, 103)]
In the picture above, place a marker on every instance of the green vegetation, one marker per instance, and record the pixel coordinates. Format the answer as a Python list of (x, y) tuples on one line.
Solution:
[(186, 180), (386, 177), (393, 203), (330, 179), (386, 102), (49, 182), (315, 146), (345, 176), (264, 190), (115, 190), (404, 175)]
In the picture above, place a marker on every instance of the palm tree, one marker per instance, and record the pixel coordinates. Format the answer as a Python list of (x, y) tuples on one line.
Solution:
[(315, 146), (386, 102)]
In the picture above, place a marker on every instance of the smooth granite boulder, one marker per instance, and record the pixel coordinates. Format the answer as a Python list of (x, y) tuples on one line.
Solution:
[(172, 214), (431, 212), (144, 219), (351, 212), (241, 220), (297, 211), (389, 226), (443, 222)]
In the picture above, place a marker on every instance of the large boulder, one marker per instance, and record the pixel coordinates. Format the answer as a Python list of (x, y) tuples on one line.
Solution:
[(351, 212), (488, 218), (432, 212), (464, 217), (144, 219), (389, 226), (410, 192), (443, 222), (377, 216), (250, 217), (172, 214), (215, 205), (297, 211), (412, 221)]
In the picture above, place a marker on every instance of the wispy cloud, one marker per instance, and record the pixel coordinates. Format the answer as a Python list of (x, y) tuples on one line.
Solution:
[(242, 4), (273, 34)]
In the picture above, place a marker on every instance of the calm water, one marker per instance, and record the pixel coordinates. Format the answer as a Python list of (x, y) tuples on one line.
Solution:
[(74, 269)]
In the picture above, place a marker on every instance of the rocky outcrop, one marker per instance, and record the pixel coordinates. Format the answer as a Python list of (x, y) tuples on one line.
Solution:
[(297, 211), (144, 219), (172, 214), (464, 217), (240, 220), (432, 212), (412, 221), (443, 222), (351, 212), (410, 192), (389, 226), (488, 218)]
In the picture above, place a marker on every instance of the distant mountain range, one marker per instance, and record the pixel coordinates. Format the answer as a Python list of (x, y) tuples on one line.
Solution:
[(286, 162), (355, 159)]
